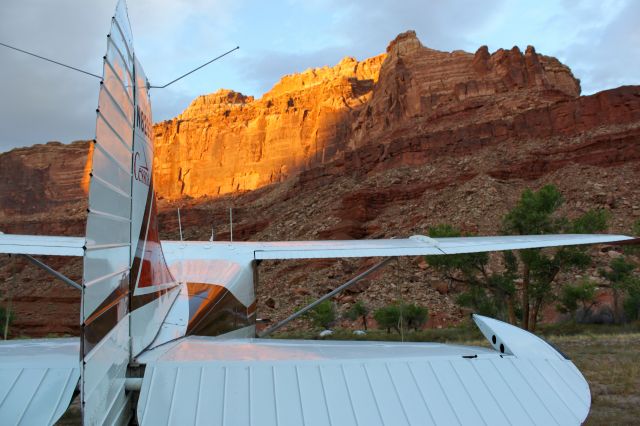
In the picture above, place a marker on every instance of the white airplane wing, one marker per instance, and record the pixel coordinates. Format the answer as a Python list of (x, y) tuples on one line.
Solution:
[(421, 245), (38, 378), (522, 380), (41, 245), (413, 246), (417, 245)]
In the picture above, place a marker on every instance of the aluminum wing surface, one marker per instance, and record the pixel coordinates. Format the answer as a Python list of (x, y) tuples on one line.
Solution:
[(199, 380), (420, 245), (38, 379), (413, 246), (41, 245)]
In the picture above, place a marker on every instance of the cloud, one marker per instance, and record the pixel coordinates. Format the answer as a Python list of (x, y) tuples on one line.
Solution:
[(598, 39), (265, 70), (363, 29), (43, 102), (606, 53), (369, 27)]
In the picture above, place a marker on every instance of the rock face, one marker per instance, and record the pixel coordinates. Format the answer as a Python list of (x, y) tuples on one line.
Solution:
[(385, 147), (42, 177), (227, 142), (425, 89), (43, 189)]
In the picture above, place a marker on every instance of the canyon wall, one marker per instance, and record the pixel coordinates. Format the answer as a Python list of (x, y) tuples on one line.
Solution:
[(384, 147), (227, 142)]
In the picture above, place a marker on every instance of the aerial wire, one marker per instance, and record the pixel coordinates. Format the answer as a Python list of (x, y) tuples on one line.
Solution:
[(196, 69), (26, 52), (50, 60)]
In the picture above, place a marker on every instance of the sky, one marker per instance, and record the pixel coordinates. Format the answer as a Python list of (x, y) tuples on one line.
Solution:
[(40, 102)]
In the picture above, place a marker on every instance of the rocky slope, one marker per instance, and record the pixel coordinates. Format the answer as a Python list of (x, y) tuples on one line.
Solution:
[(379, 148)]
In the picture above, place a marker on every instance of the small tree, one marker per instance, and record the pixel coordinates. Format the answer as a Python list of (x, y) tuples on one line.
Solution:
[(6, 313), (535, 214), (388, 318), (323, 315), (397, 317), (488, 293), (632, 301), (415, 316), (358, 310), (634, 249), (619, 272), (573, 296)]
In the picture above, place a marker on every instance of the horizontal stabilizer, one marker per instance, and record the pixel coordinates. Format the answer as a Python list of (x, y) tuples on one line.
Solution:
[(200, 380), (38, 378)]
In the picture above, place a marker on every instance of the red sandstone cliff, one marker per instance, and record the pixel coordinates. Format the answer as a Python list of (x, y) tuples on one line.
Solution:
[(43, 189), (227, 142), (383, 147)]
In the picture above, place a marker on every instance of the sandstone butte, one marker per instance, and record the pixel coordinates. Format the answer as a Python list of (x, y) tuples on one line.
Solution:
[(227, 142), (344, 152)]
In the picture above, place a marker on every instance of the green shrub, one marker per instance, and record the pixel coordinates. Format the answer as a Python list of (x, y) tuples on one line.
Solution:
[(574, 296), (323, 315), (388, 318), (631, 302), (405, 316), (414, 315), (358, 310)]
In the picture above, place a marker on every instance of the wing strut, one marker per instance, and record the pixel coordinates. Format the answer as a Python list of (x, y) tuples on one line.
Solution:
[(52, 271), (329, 295)]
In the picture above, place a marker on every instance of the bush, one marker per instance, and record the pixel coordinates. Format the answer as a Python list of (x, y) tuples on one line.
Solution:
[(358, 310), (407, 316), (415, 316), (577, 295), (631, 302), (388, 318), (323, 315)]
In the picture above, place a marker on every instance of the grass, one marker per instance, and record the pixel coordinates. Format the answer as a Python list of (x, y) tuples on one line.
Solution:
[(610, 363), (448, 335), (607, 355)]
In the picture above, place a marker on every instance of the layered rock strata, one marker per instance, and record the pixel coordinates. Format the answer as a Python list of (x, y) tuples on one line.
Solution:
[(384, 147), (226, 142)]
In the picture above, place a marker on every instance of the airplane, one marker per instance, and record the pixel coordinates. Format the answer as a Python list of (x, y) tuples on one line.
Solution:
[(168, 328)]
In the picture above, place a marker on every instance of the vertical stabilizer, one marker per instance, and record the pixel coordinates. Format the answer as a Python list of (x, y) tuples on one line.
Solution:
[(153, 288), (127, 287), (105, 346)]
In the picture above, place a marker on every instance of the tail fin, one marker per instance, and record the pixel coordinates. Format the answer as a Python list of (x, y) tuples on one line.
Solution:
[(153, 288), (127, 288)]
